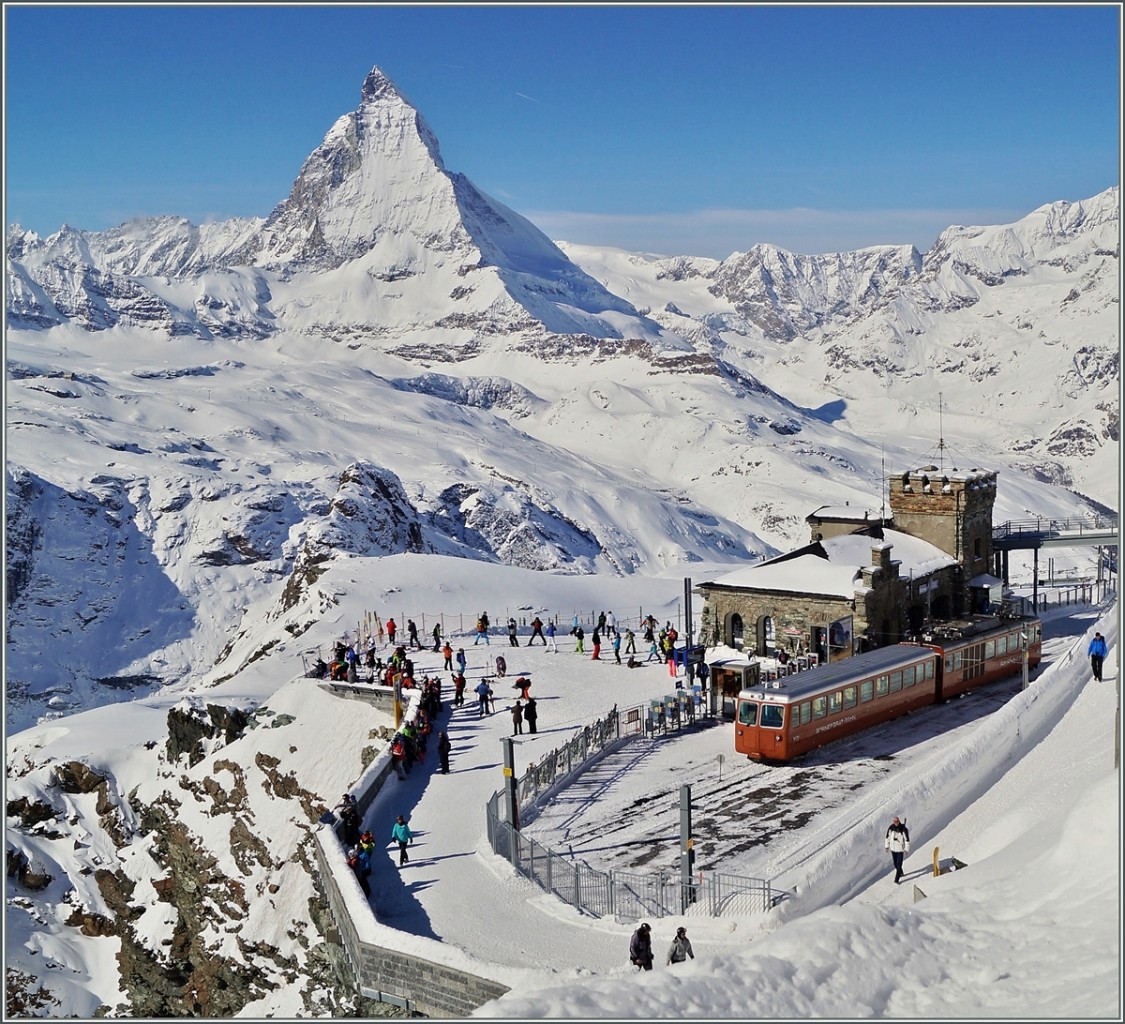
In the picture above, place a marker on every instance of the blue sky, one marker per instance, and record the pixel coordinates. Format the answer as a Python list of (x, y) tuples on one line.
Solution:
[(673, 129)]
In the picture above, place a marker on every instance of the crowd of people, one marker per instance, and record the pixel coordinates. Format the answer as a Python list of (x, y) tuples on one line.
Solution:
[(349, 665), (381, 658)]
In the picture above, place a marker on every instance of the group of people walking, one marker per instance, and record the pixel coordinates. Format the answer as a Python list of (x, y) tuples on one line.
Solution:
[(640, 948)]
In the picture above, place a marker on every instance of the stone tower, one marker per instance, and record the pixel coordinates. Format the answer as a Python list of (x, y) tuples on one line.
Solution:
[(953, 511)]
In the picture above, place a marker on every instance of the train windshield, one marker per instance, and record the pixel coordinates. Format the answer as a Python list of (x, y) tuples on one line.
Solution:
[(747, 712), (772, 716)]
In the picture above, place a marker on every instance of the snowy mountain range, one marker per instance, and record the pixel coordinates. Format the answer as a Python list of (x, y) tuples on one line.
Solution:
[(478, 390), (225, 441)]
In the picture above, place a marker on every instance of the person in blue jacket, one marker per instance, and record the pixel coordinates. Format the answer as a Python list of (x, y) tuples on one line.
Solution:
[(1097, 654), (402, 835)]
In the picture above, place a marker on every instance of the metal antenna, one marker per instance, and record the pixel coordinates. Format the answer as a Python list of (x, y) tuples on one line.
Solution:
[(883, 488), (941, 439)]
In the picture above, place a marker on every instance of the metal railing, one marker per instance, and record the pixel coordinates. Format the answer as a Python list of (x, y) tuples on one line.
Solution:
[(1079, 525), (621, 894)]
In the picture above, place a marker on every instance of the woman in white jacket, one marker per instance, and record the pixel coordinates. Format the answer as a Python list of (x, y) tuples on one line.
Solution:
[(897, 844)]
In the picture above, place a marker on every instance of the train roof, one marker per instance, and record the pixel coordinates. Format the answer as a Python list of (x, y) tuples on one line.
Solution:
[(975, 627), (803, 684)]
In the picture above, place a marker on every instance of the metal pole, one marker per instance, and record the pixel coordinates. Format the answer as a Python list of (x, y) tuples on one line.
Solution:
[(510, 781), (689, 668), (1023, 647), (687, 851)]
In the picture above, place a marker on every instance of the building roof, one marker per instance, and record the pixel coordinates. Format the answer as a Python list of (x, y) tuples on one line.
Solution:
[(833, 567), (847, 513)]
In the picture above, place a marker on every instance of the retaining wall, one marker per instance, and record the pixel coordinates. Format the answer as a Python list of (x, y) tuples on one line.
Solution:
[(421, 985)]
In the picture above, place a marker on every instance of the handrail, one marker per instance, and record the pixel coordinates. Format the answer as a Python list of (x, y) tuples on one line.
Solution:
[(1072, 524)]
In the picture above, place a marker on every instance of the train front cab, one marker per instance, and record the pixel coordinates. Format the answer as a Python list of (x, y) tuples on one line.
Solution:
[(834, 701), (759, 728)]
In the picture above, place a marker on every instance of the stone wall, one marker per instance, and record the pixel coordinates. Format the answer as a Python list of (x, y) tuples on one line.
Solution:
[(383, 974), (425, 987)]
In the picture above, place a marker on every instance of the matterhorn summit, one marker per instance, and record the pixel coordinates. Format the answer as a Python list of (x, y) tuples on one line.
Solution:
[(375, 231), (377, 177)]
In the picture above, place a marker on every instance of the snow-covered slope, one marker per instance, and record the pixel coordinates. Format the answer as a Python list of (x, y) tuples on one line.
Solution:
[(199, 416), (1010, 332), (219, 435)]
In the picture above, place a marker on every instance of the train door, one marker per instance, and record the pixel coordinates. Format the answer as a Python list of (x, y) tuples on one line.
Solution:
[(746, 738)]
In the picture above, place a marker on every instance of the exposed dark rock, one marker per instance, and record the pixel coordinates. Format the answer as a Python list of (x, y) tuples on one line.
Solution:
[(31, 812), (76, 777), (188, 728)]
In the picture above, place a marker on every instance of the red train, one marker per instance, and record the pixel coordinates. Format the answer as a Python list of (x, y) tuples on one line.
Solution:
[(777, 721)]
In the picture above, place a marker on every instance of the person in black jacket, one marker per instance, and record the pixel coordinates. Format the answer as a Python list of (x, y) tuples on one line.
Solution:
[(640, 948), (443, 748)]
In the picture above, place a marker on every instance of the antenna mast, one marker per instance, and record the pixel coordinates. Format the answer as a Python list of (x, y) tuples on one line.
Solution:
[(883, 488), (941, 439)]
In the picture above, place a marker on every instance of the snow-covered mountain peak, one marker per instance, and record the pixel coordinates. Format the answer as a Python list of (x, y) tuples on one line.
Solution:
[(377, 172), (377, 86)]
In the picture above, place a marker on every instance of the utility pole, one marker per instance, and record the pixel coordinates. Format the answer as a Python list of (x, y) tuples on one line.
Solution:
[(510, 781), (687, 850), (689, 666)]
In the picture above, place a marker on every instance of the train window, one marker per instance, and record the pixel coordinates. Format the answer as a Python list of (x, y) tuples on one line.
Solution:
[(908, 677), (747, 712), (989, 649), (849, 696), (957, 661), (896, 682), (1002, 644), (835, 702), (772, 716), (806, 713), (881, 686), (929, 669), (819, 707), (866, 690)]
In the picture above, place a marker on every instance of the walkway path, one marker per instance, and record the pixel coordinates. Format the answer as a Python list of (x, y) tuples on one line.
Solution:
[(455, 889)]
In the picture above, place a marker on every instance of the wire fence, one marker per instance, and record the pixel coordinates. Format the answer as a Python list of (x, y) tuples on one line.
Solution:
[(621, 894)]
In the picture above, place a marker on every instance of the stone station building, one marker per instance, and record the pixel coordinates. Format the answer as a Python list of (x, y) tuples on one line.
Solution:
[(864, 580)]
